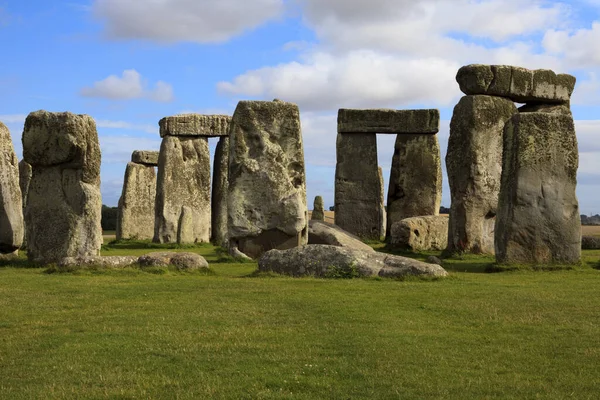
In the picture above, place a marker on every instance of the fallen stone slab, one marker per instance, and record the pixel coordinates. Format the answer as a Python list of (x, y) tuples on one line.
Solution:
[(321, 232), (195, 125), (332, 261), (521, 85), (145, 157), (182, 260), (99, 261), (420, 233), (425, 121)]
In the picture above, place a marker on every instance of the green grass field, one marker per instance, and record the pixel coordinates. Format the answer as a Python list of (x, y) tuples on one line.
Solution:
[(128, 334)]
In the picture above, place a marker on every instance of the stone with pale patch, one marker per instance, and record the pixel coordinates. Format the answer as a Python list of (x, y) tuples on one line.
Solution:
[(11, 202)]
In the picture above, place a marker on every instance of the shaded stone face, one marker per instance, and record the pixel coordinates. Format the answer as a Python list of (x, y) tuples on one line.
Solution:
[(415, 186), (64, 204), (538, 213), (11, 205), (420, 233), (426, 121), (318, 212), (136, 205), (518, 84), (145, 157), (474, 166), (267, 186), (195, 125), (183, 181), (219, 193), (358, 207), (25, 173)]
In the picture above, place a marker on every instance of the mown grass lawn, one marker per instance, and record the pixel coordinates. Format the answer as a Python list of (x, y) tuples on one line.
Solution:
[(233, 335)]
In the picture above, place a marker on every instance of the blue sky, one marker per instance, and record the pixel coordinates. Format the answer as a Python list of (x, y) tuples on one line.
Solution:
[(128, 63)]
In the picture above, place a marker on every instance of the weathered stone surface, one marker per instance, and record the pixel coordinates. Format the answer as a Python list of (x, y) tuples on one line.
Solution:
[(474, 166), (415, 186), (426, 121), (64, 204), (185, 230), (327, 261), (145, 157), (267, 186), (318, 212), (382, 210), (538, 213), (136, 205), (182, 260), (420, 233), (195, 125), (25, 173), (434, 260), (219, 193), (183, 180), (358, 186), (321, 232), (546, 108), (11, 203), (99, 261), (518, 84)]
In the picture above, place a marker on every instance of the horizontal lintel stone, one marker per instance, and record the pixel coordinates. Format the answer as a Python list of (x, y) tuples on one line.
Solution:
[(195, 125), (424, 121), (145, 157)]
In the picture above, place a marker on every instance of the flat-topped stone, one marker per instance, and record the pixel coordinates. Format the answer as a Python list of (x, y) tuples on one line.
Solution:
[(145, 157), (521, 85), (425, 121), (195, 125)]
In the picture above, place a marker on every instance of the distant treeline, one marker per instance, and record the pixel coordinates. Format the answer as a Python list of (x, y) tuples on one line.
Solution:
[(109, 218), (591, 220)]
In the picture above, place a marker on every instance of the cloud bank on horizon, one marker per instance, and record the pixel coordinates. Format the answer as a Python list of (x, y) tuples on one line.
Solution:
[(129, 63)]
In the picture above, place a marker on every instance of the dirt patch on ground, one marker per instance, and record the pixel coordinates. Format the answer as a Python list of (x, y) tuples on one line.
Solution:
[(590, 230)]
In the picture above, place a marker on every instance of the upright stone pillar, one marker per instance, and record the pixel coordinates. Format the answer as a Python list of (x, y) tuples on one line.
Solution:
[(359, 207), (11, 209), (136, 205), (219, 193), (25, 173), (267, 184), (64, 203), (474, 165), (318, 212), (538, 213), (183, 184), (415, 187), (383, 215)]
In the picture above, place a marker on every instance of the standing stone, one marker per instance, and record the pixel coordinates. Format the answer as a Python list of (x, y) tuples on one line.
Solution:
[(183, 180), (474, 166), (415, 187), (185, 233), (538, 212), (383, 215), (24, 181), (267, 185), (219, 193), (136, 205), (64, 203), (11, 206), (358, 207), (318, 212)]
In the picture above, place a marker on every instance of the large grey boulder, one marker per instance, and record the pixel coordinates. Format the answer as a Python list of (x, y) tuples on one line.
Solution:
[(415, 186), (318, 212), (219, 193), (267, 185), (136, 205), (474, 166), (183, 181), (321, 232), (420, 233), (99, 261), (515, 83), (182, 260), (11, 203), (538, 213), (358, 188), (195, 125), (64, 204), (332, 261)]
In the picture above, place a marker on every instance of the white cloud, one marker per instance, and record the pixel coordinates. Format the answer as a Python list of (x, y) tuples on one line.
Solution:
[(118, 149), (104, 123), (587, 91), (13, 118), (201, 21), (579, 47), (128, 86)]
